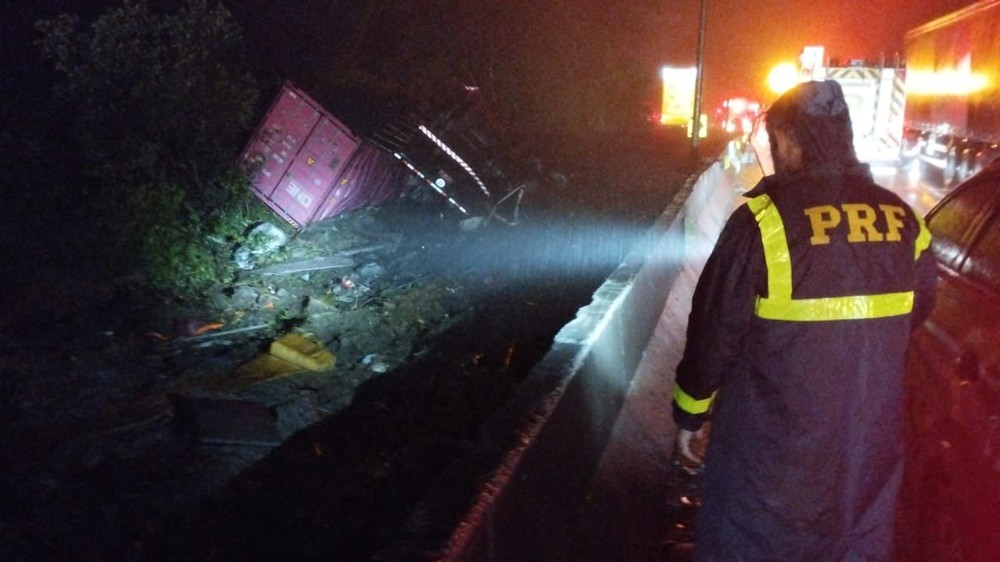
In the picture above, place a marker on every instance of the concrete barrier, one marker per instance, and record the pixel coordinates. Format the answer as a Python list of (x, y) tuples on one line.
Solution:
[(553, 436)]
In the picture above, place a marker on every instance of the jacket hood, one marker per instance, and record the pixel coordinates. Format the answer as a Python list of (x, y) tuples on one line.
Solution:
[(816, 115)]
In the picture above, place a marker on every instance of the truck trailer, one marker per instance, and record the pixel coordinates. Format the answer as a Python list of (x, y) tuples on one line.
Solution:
[(952, 125), (307, 165)]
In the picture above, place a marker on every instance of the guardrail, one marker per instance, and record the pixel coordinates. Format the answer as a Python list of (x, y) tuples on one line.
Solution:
[(553, 434)]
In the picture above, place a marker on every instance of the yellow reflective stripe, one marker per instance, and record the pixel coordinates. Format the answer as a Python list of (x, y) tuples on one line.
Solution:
[(923, 239), (689, 404), (779, 305), (776, 254), (860, 307)]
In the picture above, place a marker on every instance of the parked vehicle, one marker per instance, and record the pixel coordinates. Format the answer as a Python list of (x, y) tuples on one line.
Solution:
[(952, 95), (950, 500)]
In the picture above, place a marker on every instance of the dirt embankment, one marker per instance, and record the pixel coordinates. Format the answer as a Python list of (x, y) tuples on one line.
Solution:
[(128, 424)]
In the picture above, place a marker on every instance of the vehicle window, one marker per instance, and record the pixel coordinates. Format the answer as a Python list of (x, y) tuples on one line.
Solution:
[(952, 220), (983, 263)]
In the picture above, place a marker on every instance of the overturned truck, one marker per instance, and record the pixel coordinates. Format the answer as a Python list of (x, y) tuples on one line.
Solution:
[(306, 165)]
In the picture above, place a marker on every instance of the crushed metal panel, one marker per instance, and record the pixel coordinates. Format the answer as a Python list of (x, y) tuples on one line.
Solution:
[(307, 166), (372, 176), (453, 149), (229, 422)]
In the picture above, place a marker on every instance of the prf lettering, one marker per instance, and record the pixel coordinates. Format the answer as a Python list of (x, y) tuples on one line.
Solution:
[(861, 220)]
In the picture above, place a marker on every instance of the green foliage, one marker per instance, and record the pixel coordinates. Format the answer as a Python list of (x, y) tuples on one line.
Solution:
[(184, 251), (159, 96), (162, 107)]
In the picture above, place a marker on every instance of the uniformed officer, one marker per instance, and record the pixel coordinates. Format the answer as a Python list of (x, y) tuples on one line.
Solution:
[(795, 346)]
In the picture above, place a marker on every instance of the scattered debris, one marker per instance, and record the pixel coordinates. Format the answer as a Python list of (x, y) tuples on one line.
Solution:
[(373, 362), (472, 223), (201, 337), (301, 266), (302, 352), (99, 464), (261, 240), (228, 422)]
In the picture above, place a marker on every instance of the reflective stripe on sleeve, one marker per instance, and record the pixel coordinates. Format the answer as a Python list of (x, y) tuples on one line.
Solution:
[(689, 404)]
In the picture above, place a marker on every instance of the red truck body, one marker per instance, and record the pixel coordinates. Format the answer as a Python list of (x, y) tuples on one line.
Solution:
[(953, 96), (306, 165)]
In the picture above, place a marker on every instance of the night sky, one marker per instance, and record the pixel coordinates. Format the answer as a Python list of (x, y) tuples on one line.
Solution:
[(745, 39)]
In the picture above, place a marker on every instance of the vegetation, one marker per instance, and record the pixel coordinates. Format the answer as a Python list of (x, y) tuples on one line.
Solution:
[(159, 101), (161, 108)]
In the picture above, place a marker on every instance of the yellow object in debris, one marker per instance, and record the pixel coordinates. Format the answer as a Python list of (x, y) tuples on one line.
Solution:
[(302, 352), (288, 355), (264, 367)]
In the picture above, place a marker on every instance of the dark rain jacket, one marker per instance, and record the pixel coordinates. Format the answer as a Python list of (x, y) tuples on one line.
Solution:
[(804, 457)]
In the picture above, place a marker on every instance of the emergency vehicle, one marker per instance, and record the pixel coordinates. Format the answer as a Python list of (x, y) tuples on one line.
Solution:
[(876, 95), (737, 115)]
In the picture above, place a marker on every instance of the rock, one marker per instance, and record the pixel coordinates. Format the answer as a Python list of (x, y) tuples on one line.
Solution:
[(266, 238), (374, 362), (316, 306), (263, 239), (298, 413), (243, 258), (244, 297), (370, 272), (471, 223)]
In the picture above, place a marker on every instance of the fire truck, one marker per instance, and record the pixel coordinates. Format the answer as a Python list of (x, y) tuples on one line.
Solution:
[(953, 97), (876, 96)]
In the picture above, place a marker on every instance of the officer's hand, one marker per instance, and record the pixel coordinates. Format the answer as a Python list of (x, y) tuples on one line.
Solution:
[(685, 439)]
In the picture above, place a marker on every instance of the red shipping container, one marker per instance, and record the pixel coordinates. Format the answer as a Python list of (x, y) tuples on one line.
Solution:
[(296, 155)]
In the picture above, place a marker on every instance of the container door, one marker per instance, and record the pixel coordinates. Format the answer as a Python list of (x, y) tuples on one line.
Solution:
[(312, 172), (278, 140)]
